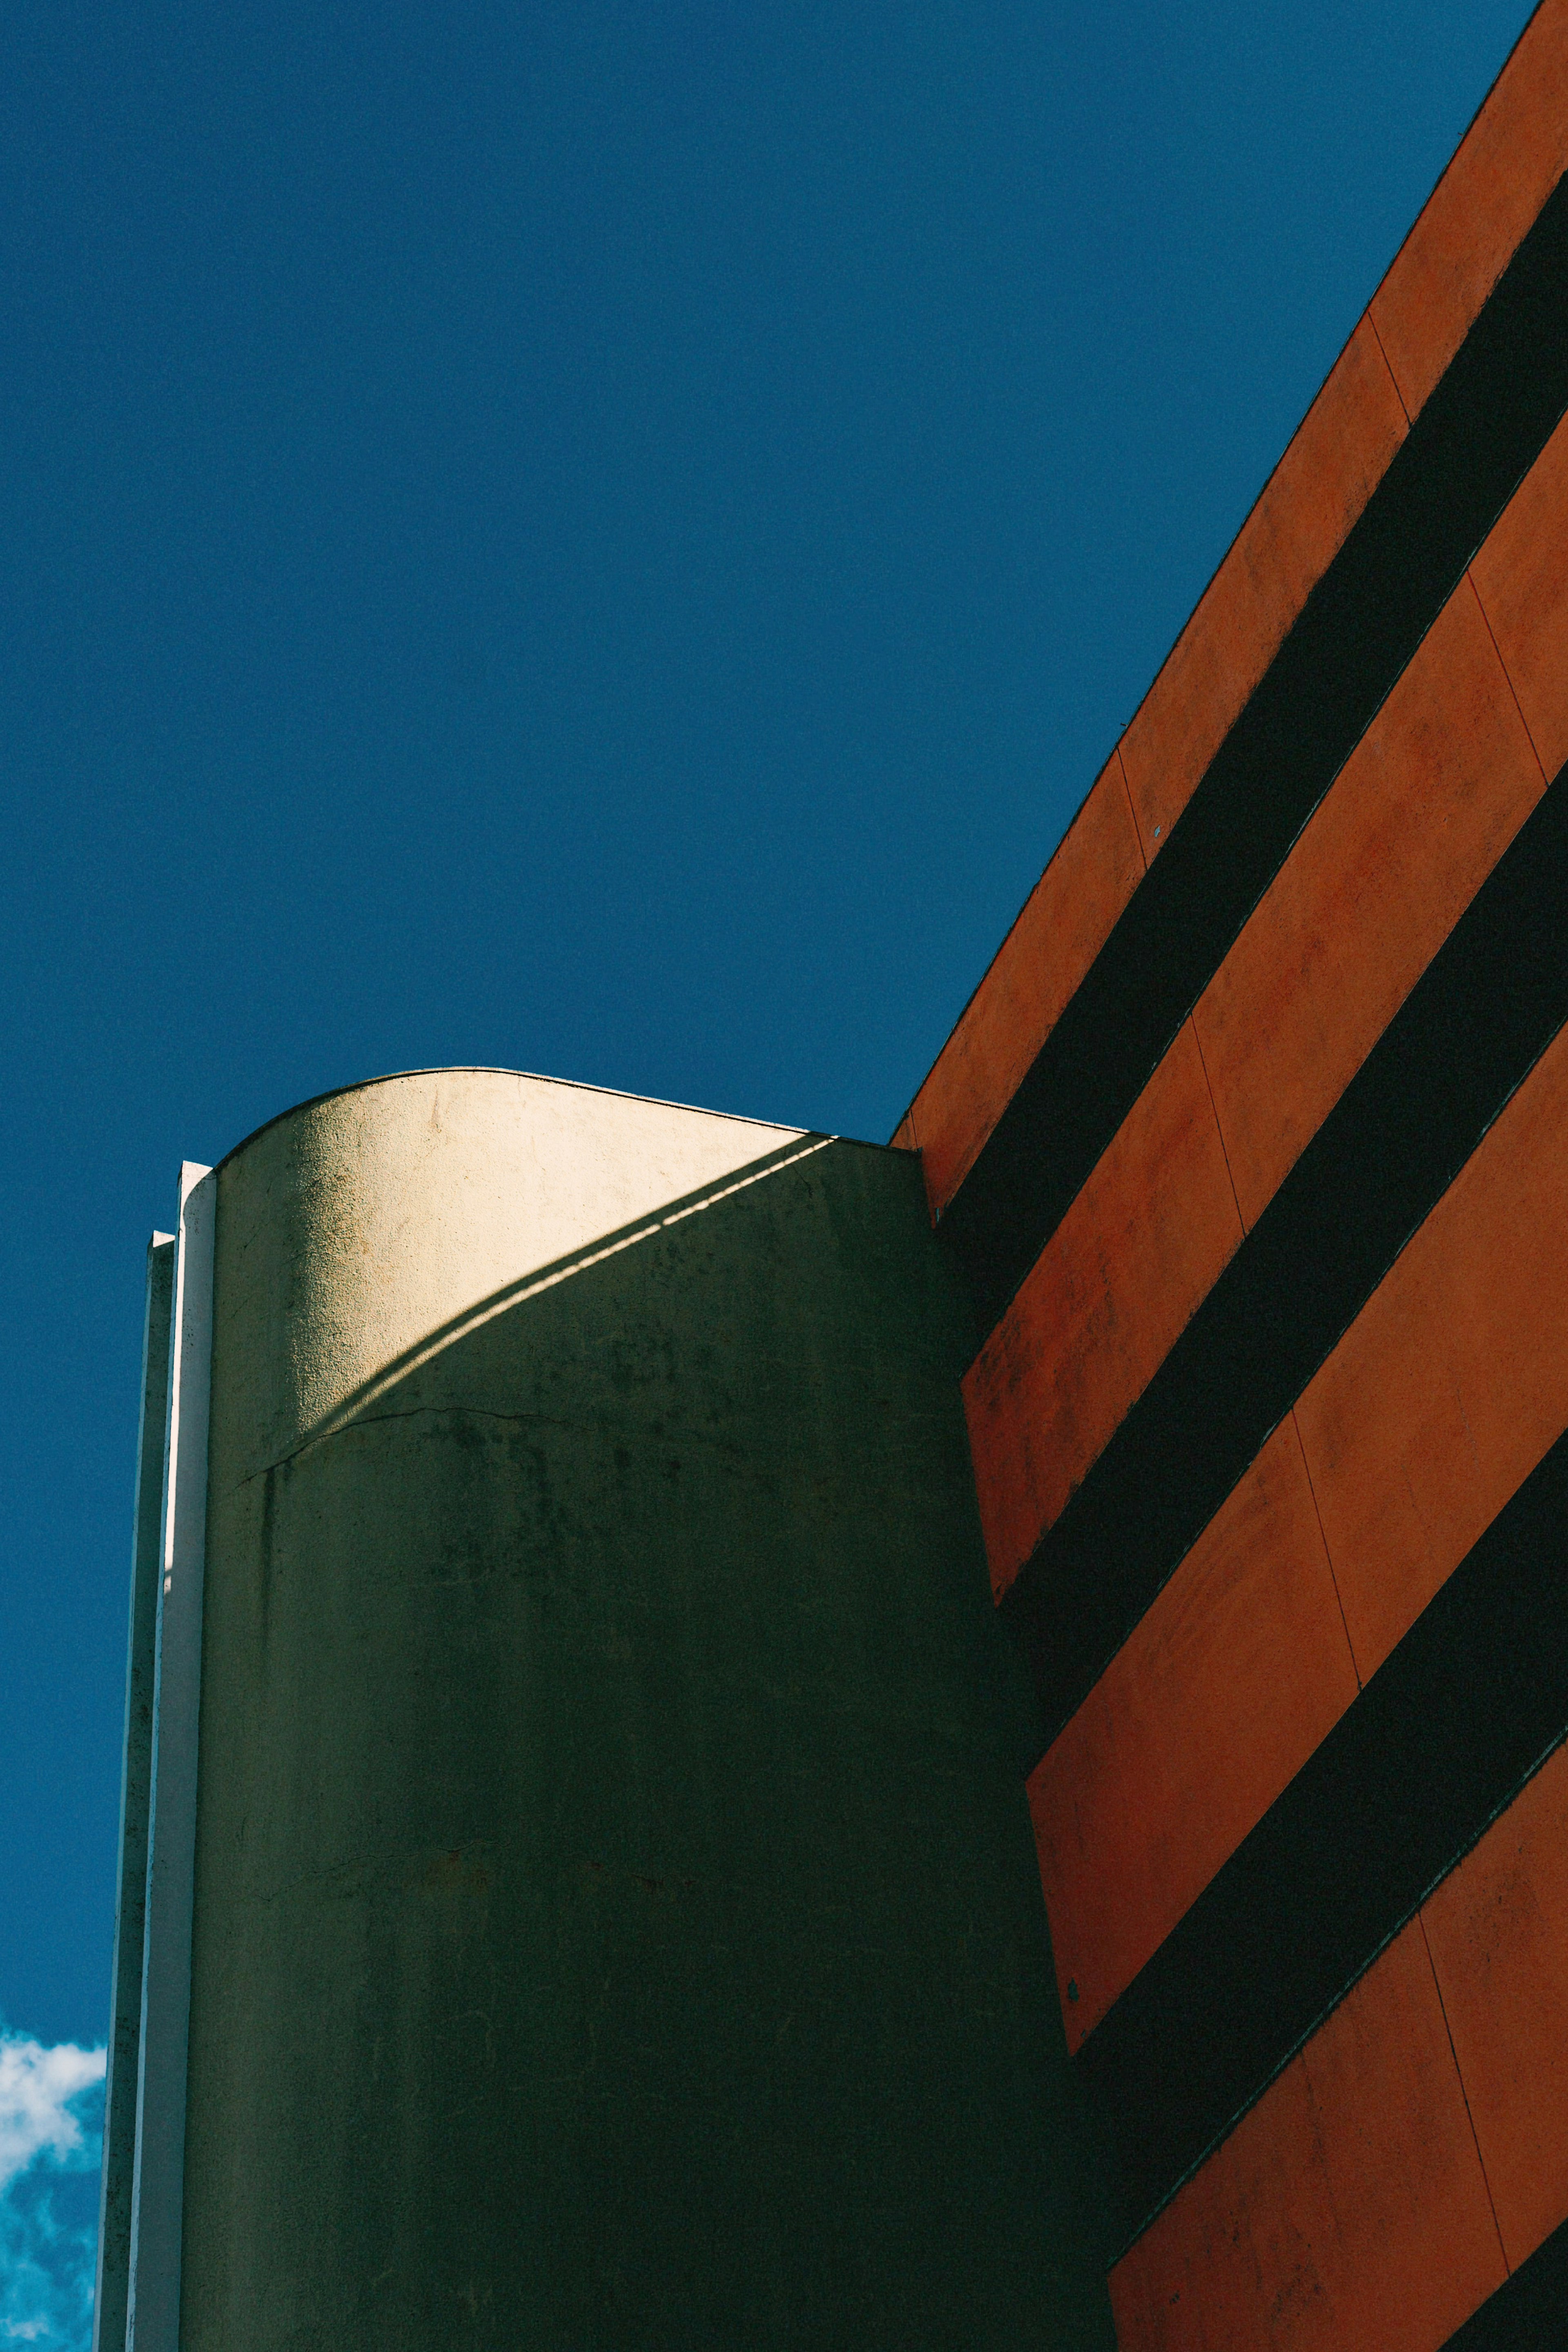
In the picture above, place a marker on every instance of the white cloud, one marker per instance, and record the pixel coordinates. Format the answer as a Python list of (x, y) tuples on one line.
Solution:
[(37, 2086), (47, 2154)]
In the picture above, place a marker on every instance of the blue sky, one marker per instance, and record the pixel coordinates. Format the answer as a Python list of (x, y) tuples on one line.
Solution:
[(608, 541)]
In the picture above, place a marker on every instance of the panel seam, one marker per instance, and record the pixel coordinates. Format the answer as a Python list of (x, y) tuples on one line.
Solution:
[(1459, 2077), (1218, 1127), (1127, 787), (1508, 675), (1382, 355), (1328, 1554)]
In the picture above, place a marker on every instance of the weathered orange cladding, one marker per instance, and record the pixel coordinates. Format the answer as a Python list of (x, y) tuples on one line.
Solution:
[(1218, 1698), (1522, 577), (1508, 165), (904, 1137), (1497, 1927), (1347, 2208), (1421, 813), (1063, 924), (1453, 1381), (1100, 1308), (1338, 457)]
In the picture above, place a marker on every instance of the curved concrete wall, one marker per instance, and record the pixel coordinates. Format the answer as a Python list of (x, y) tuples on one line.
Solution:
[(616, 1923)]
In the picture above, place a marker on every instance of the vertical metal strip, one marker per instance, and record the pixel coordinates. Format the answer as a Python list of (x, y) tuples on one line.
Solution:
[(158, 2190), (109, 2301)]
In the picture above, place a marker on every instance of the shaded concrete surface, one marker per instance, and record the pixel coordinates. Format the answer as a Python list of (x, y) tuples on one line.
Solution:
[(616, 1920)]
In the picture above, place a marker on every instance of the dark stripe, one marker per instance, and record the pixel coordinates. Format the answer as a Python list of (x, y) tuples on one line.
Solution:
[(1478, 434), (1530, 2313), (1444, 1735), (1482, 1015)]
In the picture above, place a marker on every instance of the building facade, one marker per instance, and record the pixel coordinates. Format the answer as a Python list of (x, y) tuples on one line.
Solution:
[(740, 1739), (1253, 1144), (578, 1889)]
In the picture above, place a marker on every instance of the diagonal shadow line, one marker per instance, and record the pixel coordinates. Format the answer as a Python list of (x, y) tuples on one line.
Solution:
[(800, 1147)]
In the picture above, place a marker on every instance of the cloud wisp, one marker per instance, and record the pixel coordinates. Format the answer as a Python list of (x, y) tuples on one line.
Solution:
[(50, 2110), (39, 2087)]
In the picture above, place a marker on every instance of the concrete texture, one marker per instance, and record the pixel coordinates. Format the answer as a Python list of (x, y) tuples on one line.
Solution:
[(616, 1920)]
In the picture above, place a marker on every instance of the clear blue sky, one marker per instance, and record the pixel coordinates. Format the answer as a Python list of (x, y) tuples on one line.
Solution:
[(609, 539)]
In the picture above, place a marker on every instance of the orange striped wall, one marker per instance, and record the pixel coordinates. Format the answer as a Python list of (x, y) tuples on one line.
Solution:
[(1498, 1928), (1415, 2151), (1435, 793), (1136, 1252), (1437, 788), (1440, 1400), (1238, 1671), (1348, 2207)]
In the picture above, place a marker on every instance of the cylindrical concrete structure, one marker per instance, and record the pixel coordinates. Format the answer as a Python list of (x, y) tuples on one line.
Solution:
[(615, 1922)]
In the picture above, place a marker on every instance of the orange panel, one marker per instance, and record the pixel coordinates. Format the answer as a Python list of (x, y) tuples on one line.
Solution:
[(1453, 1381), (1421, 813), (1339, 455), (1522, 576), (1218, 1698), (1511, 159), (1499, 1931), (1065, 923), (904, 1137), (1111, 1289), (1347, 2208)]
